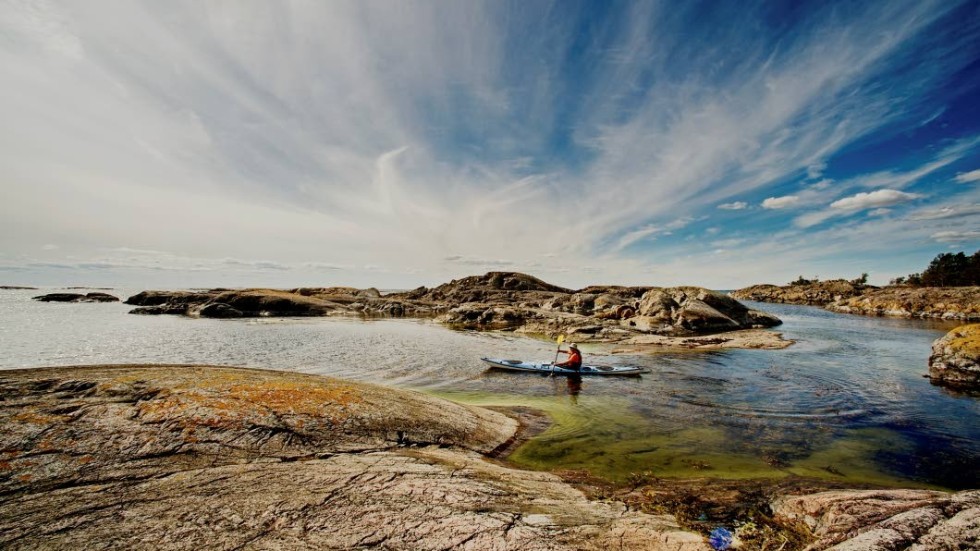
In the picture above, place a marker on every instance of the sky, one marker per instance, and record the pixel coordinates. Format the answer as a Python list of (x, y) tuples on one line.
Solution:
[(398, 144)]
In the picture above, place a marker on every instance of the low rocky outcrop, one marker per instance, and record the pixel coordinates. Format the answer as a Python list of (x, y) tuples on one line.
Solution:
[(862, 520), (955, 358), (180, 457), (77, 297), (953, 303), (819, 293), (497, 300)]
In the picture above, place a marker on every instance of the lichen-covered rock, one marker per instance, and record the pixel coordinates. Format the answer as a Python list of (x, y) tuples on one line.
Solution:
[(952, 303), (864, 520), (819, 293), (955, 357), (179, 457)]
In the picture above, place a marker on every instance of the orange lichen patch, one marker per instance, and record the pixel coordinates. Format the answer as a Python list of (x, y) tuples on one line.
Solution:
[(296, 397), (38, 418), (191, 409), (25, 478), (6, 466), (967, 338), (86, 459)]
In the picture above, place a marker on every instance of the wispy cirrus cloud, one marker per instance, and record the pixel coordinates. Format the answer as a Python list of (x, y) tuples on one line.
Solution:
[(874, 199), (956, 236), (354, 134), (967, 177)]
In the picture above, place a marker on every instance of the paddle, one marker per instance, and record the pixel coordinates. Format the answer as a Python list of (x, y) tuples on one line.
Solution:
[(561, 339)]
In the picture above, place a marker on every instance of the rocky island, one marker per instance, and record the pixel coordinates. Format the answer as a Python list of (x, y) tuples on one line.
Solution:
[(807, 293), (952, 303), (192, 457), (631, 316)]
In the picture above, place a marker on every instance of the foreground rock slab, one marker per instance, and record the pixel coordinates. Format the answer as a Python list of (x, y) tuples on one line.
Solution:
[(865, 520), (179, 457)]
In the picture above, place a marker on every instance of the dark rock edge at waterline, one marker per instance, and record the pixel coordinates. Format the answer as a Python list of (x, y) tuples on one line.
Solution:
[(180, 457), (77, 297)]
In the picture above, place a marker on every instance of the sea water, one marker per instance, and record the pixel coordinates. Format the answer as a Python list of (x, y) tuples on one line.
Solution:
[(847, 402)]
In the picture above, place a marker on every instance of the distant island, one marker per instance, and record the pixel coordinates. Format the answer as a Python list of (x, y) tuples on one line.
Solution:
[(948, 289), (690, 317)]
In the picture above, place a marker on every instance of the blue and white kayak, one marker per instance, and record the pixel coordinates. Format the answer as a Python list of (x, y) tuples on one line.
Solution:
[(533, 367)]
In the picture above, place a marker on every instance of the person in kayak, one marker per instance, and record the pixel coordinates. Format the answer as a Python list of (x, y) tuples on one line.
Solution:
[(574, 360)]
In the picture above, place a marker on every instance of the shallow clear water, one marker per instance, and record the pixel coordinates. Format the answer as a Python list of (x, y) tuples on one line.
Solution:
[(847, 402)]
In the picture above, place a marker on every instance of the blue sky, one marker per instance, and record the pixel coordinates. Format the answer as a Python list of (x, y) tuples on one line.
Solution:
[(401, 144)]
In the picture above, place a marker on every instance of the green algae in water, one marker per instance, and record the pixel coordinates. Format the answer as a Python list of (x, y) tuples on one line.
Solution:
[(604, 436), (851, 458)]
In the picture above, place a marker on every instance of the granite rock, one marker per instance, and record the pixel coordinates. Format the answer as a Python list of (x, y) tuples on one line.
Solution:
[(955, 358)]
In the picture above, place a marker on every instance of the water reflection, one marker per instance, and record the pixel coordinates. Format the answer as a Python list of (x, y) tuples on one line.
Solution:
[(574, 387)]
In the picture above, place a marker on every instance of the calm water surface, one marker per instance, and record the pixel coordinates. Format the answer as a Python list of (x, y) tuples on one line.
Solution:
[(847, 402)]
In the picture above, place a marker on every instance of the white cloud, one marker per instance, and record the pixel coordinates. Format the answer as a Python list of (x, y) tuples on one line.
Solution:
[(636, 235), (954, 211), (956, 236), (874, 199), (965, 177), (474, 261), (781, 202), (737, 205), (880, 212), (815, 170)]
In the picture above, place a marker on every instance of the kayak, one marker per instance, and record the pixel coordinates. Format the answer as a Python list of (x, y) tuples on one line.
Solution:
[(532, 367)]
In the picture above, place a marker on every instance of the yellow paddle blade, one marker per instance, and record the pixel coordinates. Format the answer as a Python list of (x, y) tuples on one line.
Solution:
[(561, 339)]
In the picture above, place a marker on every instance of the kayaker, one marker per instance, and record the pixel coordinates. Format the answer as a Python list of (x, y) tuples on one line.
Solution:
[(574, 360)]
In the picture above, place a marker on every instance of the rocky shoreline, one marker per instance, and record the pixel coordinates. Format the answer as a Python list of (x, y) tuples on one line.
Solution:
[(505, 301), (949, 303), (188, 457)]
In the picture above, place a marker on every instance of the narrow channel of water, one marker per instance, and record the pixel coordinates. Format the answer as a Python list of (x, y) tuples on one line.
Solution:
[(847, 402)]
